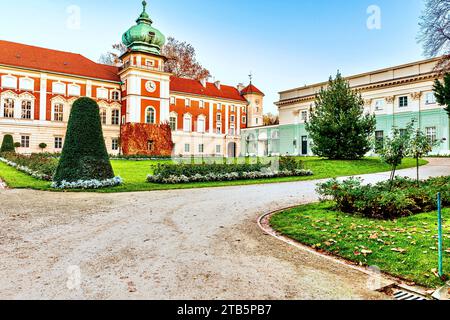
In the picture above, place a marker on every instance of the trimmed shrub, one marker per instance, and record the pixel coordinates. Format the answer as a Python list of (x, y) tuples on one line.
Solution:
[(7, 144), (190, 170), (290, 163), (42, 146), (377, 201), (40, 164), (84, 156)]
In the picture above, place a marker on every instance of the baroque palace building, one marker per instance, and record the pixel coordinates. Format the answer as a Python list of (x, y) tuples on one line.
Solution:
[(38, 87), (397, 96)]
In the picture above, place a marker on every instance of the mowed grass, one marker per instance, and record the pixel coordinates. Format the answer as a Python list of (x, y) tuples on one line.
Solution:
[(134, 174), (406, 247)]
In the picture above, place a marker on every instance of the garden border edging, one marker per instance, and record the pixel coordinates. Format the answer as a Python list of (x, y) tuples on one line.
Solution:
[(390, 280)]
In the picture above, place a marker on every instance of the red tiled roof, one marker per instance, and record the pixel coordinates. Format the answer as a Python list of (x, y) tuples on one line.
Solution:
[(195, 87), (251, 89), (25, 56)]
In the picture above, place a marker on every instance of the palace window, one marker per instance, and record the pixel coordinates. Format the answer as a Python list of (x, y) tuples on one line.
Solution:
[(173, 122), (202, 104), (59, 88), (115, 95), (103, 116), (187, 102), (201, 148), (26, 109), (115, 117), (187, 148), (74, 90), (430, 98), (257, 121), (218, 149), (58, 112), (244, 119), (219, 107), (233, 108), (304, 116), (150, 116), (232, 118), (219, 117), (115, 144), (102, 93), (9, 82), (379, 140), (232, 130), (172, 100), (187, 123), (8, 111), (201, 125), (431, 134), (25, 141), (403, 101), (150, 145), (58, 142), (26, 84), (379, 104), (219, 128)]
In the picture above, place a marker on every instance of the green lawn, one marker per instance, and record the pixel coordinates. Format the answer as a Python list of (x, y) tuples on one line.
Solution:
[(134, 174), (405, 248)]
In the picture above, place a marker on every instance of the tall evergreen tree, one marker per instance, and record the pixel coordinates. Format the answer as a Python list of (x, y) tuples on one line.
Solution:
[(338, 127), (84, 156), (7, 144), (442, 92)]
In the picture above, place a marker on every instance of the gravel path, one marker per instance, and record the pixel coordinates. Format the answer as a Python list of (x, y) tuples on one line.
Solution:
[(183, 244)]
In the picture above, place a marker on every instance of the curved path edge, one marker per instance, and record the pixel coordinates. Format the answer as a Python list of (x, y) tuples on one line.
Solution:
[(385, 280)]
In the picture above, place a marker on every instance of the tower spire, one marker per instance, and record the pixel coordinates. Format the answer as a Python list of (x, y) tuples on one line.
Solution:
[(250, 77), (144, 5)]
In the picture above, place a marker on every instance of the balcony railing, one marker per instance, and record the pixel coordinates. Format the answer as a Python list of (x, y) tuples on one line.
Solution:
[(143, 67)]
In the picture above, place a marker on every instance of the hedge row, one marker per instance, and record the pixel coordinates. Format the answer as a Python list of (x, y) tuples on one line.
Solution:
[(380, 202), (37, 165)]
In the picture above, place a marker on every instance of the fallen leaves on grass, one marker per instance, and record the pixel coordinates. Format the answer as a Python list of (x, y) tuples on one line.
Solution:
[(399, 250)]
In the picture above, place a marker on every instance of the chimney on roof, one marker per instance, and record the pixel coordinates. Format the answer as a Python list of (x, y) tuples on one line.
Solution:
[(240, 87), (217, 83), (203, 82)]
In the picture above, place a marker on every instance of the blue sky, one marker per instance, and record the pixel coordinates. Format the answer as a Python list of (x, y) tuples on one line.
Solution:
[(285, 43)]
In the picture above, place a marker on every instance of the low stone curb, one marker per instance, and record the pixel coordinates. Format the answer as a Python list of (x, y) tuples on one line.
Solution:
[(386, 281), (2, 185)]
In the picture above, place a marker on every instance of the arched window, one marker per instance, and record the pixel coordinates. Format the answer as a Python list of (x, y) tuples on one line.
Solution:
[(187, 123), (115, 95), (58, 112), (74, 90), (26, 84), (9, 82), (150, 115), (103, 116), (59, 88), (8, 108), (115, 117), (26, 109)]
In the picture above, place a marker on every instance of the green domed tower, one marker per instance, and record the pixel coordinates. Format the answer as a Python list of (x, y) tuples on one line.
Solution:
[(143, 37)]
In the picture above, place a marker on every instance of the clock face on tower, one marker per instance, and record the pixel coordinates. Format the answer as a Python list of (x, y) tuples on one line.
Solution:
[(150, 86)]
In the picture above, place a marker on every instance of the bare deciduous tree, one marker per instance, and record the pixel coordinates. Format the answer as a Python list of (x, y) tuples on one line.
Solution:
[(182, 60), (435, 31), (271, 119)]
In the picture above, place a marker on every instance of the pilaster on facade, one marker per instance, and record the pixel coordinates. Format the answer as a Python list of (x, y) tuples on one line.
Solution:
[(43, 97), (227, 119)]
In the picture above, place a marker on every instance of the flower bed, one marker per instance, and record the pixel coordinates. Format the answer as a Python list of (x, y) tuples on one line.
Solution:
[(265, 173), (88, 184), (380, 201), (37, 166)]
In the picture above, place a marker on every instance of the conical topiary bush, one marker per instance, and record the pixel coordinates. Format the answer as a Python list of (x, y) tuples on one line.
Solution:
[(7, 144), (84, 156)]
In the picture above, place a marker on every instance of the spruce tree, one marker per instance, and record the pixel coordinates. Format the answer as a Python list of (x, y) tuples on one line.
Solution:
[(84, 156), (7, 144), (442, 92), (338, 127)]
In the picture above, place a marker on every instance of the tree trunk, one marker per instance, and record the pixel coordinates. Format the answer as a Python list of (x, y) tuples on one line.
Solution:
[(417, 166)]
